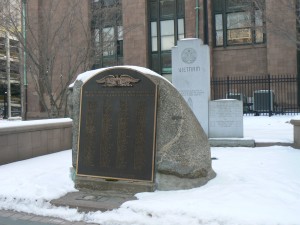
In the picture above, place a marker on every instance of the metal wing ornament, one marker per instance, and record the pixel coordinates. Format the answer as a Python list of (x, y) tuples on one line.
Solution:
[(117, 81), (127, 81), (108, 81)]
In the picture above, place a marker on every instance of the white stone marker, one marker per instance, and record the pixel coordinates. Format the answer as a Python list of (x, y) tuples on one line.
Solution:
[(226, 119), (191, 76)]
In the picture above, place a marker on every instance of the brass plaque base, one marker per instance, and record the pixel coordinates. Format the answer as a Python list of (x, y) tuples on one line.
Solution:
[(127, 186)]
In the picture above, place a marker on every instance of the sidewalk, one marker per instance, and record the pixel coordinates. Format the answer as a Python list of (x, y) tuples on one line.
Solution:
[(17, 218)]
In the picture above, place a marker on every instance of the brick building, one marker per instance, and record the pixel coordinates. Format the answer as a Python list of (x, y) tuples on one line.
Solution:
[(57, 50), (9, 60), (246, 38)]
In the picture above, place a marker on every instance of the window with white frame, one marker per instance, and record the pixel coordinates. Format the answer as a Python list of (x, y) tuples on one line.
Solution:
[(107, 31), (166, 27)]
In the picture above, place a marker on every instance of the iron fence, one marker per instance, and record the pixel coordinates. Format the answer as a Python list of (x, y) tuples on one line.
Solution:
[(261, 95)]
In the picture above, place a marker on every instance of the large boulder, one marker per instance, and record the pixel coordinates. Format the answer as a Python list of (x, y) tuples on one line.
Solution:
[(183, 158)]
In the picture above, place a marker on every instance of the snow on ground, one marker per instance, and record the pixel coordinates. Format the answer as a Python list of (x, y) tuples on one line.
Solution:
[(254, 186), (269, 129)]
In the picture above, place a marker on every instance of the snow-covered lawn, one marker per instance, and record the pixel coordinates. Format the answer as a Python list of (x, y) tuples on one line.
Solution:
[(269, 129), (254, 186)]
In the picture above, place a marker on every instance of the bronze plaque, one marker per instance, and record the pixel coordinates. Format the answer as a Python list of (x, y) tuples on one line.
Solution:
[(117, 126)]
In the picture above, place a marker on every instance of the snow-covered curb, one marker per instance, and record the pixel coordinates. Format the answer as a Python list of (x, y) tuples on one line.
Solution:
[(27, 123)]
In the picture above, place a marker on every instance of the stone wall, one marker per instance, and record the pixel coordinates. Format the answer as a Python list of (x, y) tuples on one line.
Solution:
[(27, 139)]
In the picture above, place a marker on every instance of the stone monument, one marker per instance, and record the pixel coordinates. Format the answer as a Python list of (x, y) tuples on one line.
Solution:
[(133, 131), (191, 76), (226, 119)]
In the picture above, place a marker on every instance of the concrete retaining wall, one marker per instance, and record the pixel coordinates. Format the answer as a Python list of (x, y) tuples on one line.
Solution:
[(296, 123), (21, 140)]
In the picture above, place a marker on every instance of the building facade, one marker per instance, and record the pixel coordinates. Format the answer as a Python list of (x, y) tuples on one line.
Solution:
[(246, 38), (9, 60), (57, 47)]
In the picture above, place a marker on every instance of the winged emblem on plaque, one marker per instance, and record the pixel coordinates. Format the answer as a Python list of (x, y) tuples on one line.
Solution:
[(117, 81)]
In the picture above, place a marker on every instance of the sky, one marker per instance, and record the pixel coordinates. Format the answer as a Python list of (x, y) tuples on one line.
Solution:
[(253, 186)]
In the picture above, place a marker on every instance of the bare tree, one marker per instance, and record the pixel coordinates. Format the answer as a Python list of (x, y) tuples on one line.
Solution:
[(57, 47), (61, 41), (282, 17), (107, 32)]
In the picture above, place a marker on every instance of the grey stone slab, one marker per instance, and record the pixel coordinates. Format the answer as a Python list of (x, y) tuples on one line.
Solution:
[(101, 184), (66, 138), (38, 146), (12, 139), (79, 223), (36, 218), (8, 154), (94, 201), (232, 142), (3, 140), (24, 145), (17, 220), (296, 123), (6, 213), (267, 144), (57, 221), (26, 217), (45, 220), (226, 119), (16, 215)]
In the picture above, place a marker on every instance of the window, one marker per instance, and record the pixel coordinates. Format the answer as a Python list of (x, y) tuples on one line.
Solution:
[(166, 27), (107, 31), (108, 41), (239, 28), (167, 34), (219, 29), (238, 22)]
